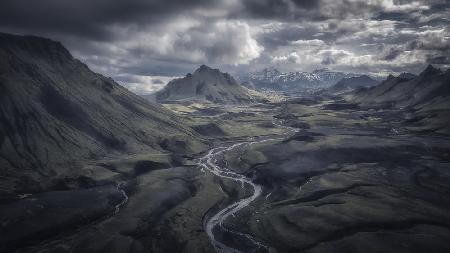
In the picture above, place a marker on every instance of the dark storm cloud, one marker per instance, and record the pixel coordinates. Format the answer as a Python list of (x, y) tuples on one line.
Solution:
[(395, 16), (392, 54), (89, 18), (279, 9), (147, 41), (317, 10), (438, 40), (438, 59), (283, 35), (164, 68)]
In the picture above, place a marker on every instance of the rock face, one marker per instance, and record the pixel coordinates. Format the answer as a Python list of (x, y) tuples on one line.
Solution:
[(271, 78), (55, 113), (351, 83), (206, 85)]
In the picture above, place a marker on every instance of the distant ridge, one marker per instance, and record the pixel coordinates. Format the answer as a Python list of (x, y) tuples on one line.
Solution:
[(351, 83), (271, 78), (407, 90), (426, 97)]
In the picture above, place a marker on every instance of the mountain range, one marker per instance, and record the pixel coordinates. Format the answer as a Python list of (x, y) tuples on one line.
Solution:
[(424, 98), (431, 86), (271, 78), (57, 114)]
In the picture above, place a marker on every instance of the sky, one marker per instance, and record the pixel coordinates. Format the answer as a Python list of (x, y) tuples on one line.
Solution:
[(143, 44)]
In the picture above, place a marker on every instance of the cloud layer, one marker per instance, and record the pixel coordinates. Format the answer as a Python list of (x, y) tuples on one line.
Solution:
[(142, 43)]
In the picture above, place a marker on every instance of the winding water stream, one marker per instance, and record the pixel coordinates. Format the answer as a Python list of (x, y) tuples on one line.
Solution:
[(124, 200), (210, 163)]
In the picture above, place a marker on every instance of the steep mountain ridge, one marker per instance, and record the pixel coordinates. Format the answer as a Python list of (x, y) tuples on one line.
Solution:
[(206, 85), (406, 91), (351, 83), (424, 100), (55, 113)]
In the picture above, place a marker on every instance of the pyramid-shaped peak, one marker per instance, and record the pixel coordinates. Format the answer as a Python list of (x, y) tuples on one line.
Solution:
[(430, 70), (205, 84), (430, 67), (204, 67), (205, 70)]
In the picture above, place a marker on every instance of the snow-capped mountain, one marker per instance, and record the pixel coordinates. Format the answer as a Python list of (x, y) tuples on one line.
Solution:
[(329, 78), (267, 74), (271, 78)]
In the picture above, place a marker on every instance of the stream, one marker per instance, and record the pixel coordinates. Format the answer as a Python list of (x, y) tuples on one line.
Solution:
[(210, 163)]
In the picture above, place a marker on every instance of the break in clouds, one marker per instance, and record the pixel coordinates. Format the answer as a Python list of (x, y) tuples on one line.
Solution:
[(144, 43)]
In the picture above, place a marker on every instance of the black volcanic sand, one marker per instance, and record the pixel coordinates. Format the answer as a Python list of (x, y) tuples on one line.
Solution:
[(349, 180), (352, 181)]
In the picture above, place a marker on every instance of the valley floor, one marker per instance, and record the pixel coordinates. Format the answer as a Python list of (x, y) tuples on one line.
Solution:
[(349, 180)]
